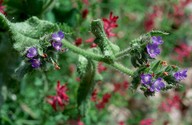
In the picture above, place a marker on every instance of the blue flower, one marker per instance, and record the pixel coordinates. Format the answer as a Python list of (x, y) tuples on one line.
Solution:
[(57, 36), (157, 85), (146, 79), (153, 50), (157, 40), (32, 52), (180, 75), (57, 45), (35, 63)]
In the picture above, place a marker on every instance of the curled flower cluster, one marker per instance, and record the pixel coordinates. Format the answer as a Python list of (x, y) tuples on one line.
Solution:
[(61, 98), (153, 48), (32, 53), (32, 56), (157, 85), (56, 40)]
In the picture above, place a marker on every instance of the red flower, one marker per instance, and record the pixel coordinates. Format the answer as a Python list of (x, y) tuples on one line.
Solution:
[(86, 2), (75, 122), (90, 40), (94, 95), (110, 24), (78, 79), (149, 24), (100, 105), (121, 87), (78, 41), (2, 7), (61, 91), (169, 103), (183, 51), (106, 98), (121, 123), (93, 45), (104, 101), (101, 68), (85, 13), (60, 99), (148, 121)]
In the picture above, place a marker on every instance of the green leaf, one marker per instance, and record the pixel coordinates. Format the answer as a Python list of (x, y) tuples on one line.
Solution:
[(86, 69), (28, 33), (157, 32), (155, 65), (106, 46), (21, 70)]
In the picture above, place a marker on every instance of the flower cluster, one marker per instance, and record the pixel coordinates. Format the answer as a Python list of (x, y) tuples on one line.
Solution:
[(94, 95), (180, 75), (153, 48), (32, 55), (183, 51), (121, 87), (170, 103), (104, 101), (101, 68), (149, 23), (148, 121), (110, 24), (78, 41), (147, 80), (2, 7), (56, 40), (60, 99), (179, 11)]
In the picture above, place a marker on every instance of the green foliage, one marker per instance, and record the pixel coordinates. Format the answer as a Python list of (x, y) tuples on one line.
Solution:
[(107, 48), (28, 33), (87, 71)]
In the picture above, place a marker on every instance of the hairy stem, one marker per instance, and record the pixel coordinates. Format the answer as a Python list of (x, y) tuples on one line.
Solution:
[(97, 57), (123, 53), (122, 68), (83, 52)]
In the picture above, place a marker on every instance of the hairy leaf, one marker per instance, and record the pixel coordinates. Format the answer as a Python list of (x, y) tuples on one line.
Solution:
[(86, 69)]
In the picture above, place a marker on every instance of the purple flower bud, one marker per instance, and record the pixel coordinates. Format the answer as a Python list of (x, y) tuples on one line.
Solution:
[(157, 85), (180, 75), (146, 79), (153, 50), (58, 36), (157, 40), (57, 45), (32, 52), (35, 63)]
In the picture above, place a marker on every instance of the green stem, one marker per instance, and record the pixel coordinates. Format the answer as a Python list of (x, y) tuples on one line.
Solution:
[(83, 52), (46, 81), (123, 53), (97, 57), (122, 68)]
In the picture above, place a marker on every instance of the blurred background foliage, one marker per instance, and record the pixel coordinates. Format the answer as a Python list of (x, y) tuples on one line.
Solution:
[(23, 102)]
